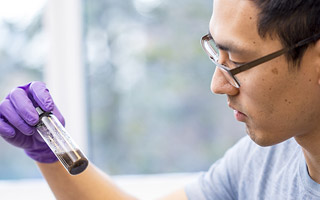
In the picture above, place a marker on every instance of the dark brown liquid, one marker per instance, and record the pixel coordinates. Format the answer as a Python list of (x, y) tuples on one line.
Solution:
[(74, 161)]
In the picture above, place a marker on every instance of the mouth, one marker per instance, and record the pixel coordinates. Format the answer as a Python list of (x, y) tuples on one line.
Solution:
[(240, 116)]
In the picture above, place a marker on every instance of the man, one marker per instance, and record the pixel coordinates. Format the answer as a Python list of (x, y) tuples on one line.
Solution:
[(267, 55)]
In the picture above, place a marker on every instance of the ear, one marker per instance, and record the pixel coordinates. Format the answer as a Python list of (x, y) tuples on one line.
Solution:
[(317, 58), (317, 47)]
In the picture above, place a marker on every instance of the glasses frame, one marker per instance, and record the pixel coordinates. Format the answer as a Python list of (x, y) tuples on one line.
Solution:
[(243, 67)]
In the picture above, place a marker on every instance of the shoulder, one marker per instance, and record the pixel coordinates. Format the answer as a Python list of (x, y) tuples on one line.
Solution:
[(242, 165), (248, 148), (248, 157), (246, 154), (220, 181), (246, 143), (274, 153)]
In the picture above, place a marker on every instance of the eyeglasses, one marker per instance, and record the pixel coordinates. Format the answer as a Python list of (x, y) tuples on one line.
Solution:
[(212, 50)]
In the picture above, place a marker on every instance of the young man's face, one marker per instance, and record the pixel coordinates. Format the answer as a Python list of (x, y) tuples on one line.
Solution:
[(273, 102)]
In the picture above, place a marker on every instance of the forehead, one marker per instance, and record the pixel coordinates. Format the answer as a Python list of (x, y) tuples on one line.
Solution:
[(235, 21)]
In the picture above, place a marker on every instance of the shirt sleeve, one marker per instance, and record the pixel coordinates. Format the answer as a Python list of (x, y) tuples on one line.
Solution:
[(221, 180)]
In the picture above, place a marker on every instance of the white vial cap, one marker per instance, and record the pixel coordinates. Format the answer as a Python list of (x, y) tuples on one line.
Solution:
[(39, 110)]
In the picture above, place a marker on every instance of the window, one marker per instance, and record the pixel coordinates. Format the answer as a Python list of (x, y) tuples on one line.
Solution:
[(22, 54), (150, 106)]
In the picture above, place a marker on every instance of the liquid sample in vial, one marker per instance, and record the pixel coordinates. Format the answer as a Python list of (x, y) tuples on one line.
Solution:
[(59, 141)]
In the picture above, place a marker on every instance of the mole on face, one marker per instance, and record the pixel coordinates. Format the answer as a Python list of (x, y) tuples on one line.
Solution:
[(275, 71)]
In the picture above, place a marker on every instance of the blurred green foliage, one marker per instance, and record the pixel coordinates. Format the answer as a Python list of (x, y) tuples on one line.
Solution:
[(151, 109), (22, 50)]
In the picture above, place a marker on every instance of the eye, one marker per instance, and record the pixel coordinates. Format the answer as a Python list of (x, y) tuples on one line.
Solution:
[(235, 59), (237, 64)]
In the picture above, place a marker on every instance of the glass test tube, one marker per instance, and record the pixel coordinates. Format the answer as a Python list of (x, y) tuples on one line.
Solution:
[(59, 141)]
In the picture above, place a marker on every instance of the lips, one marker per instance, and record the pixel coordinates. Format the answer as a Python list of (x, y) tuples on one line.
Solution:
[(240, 116)]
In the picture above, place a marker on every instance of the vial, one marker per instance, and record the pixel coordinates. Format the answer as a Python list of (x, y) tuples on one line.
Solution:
[(59, 141)]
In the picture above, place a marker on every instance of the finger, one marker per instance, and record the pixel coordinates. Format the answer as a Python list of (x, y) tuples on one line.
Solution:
[(38, 137), (9, 113), (24, 106), (41, 95), (6, 130), (57, 113)]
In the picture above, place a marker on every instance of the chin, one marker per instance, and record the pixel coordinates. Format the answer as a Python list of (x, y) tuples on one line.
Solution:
[(263, 138)]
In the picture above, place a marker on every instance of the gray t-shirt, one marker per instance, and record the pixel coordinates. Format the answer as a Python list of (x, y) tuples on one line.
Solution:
[(248, 171)]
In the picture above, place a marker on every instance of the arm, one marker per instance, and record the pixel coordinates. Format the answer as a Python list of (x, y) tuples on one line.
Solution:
[(177, 195), (90, 184)]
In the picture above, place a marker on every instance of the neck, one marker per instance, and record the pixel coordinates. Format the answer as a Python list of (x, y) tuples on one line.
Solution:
[(310, 146)]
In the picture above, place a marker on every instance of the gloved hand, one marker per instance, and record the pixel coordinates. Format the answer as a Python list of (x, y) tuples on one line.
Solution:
[(18, 118)]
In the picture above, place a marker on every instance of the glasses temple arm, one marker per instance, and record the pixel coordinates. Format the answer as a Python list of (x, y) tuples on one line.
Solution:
[(273, 55), (259, 61)]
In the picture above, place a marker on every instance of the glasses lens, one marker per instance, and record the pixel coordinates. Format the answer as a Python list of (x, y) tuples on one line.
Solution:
[(211, 49), (232, 80), (213, 52)]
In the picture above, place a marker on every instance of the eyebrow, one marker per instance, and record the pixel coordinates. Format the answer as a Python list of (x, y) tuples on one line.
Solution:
[(231, 47)]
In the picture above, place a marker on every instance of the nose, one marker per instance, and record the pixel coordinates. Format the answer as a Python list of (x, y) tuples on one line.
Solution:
[(220, 85)]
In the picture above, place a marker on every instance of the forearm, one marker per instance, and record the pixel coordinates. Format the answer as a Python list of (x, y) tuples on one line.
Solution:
[(90, 184)]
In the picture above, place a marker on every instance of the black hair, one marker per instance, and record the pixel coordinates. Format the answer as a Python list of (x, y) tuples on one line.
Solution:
[(291, 21)]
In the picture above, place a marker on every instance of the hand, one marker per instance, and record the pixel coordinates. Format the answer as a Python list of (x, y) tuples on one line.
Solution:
[(18, 118)]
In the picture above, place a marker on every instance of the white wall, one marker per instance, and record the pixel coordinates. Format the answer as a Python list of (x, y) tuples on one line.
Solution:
[(64, 71)]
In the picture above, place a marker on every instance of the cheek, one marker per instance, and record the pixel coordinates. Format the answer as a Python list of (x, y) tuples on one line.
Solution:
[(284, 104), (267, 94), (260, 94), (260, 104)]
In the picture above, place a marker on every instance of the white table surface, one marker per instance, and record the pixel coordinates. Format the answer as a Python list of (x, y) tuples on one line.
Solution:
[(141, 186)]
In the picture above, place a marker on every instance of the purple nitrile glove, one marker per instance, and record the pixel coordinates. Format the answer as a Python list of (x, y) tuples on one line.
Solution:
[(18, 118)]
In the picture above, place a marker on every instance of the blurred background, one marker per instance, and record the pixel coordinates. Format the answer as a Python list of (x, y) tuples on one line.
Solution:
[(142, 103)]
